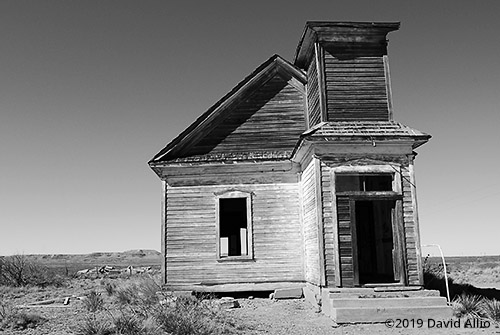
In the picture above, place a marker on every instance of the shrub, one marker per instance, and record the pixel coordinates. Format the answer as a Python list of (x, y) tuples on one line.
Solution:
[(127, 325), (145, 310), (139, 297), (93, 326), (13, 319), (127, 295), (110, 288), (18, 270), (468, 306), (93, 302), (189, 315), (491, 310)]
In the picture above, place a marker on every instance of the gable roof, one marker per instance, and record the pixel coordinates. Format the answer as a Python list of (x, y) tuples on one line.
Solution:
[(275, 65)]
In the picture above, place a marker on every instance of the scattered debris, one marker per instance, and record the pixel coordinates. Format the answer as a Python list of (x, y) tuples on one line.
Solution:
[(58, 302), (227, 303), (110, 270)]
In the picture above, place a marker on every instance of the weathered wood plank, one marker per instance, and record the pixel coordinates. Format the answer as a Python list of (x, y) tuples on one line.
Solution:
[(270, 120), (356, 88), (310, 227), (191, 235)]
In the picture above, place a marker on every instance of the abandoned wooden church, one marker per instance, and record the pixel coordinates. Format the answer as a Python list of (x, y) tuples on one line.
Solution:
[(298, 177)]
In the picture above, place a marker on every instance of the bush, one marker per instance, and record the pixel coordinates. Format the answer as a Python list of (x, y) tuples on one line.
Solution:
[(190, 315), (146, 310), (94, 326), (18, 270), (93, 302), (468, 306), (13, 319), (110, 288), (491, 310), (127, 325)]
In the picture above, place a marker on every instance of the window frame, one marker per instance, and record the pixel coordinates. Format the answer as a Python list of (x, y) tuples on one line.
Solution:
[(231, 195), (372, 170)]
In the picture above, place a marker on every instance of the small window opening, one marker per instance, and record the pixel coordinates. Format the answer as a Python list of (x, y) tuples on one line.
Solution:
[(233, 227), (363, 183)]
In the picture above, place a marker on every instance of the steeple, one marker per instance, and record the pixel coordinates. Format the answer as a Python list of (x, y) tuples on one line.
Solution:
[(348, 73)]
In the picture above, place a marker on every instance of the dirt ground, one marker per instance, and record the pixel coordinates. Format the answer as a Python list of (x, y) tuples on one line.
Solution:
[(297, 317), (256, 315)]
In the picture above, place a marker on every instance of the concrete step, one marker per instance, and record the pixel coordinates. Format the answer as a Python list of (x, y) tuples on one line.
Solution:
[(377, 314), (373, 293), (387, 302), (379, 288)]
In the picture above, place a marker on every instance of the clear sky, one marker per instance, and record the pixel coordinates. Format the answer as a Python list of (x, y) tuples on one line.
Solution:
[(91, 90)]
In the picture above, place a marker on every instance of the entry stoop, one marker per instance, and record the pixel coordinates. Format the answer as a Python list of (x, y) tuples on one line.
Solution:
[(378, 304)]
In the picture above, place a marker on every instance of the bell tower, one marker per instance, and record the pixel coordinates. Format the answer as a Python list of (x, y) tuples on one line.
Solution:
[(347, 68)]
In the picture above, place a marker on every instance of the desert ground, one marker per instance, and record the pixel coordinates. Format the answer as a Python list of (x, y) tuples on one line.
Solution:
[(63, 307)]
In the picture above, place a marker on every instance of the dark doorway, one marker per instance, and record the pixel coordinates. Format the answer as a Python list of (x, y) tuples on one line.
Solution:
[(374, 241)]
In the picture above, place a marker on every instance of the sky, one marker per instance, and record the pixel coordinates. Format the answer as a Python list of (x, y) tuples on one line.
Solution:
[(91, 90)]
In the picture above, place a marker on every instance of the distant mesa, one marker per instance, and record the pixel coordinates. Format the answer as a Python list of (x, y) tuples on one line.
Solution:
[(142, 252), (99, 254)]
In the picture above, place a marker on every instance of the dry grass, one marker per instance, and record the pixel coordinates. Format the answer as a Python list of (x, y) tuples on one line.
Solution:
[(140, 307), (12, 318)]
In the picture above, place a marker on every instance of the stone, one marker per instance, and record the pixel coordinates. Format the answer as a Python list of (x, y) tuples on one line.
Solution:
[(288, 293)]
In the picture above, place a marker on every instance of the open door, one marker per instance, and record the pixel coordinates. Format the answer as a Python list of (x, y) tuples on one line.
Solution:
[(375, 242), (370, 230)]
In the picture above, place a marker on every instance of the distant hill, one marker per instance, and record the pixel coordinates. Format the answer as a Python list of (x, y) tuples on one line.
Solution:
[(72, 263)]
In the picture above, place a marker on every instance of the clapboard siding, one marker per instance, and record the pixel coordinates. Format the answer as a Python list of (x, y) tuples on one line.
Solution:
[(356, 88), (345, 241), (191, 236), (410, 229), (310, 226), (313, 104), (329, 221), (271, 119)]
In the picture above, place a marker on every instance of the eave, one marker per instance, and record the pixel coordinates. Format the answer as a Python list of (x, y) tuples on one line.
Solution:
[(340, 32), (366, 137)]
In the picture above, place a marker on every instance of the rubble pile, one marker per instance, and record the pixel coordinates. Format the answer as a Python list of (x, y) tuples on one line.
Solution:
[(110, 270)]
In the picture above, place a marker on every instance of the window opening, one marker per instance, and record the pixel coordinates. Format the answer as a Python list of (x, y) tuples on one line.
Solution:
[(363, 182), (233, 227)]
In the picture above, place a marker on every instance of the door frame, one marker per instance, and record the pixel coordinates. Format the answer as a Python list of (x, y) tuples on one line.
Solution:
[(398, 223), (398, 238)]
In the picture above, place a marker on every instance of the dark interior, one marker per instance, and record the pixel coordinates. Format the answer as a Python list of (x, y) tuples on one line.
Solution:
[(233, 217), (374, 241)]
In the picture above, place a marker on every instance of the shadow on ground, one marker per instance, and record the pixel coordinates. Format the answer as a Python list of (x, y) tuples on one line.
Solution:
[(434, 282)]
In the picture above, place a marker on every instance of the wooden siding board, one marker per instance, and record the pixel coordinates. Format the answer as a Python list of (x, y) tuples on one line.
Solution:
[(313, 95), (330, 218), (191, 238), (320, 220), (345, 241), (310, 228), (271, 119), (411, 231), (356, 88)]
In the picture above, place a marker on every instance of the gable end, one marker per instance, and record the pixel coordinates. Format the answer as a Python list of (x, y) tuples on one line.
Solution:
[(272, 97)]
